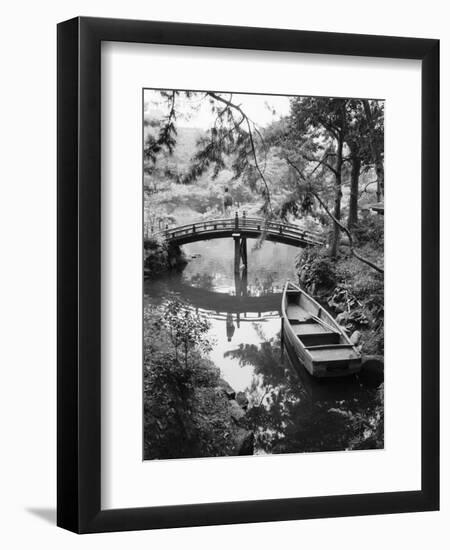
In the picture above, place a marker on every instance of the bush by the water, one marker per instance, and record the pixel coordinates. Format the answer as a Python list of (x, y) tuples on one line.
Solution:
[(369, 230), (186, 414), (317, 269), (351, 289), (161, 256)]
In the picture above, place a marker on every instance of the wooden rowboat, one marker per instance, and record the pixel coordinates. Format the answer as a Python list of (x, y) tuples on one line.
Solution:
[(315, 340)]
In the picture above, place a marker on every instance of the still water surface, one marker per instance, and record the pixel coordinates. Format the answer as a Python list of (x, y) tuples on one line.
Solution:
[(289, 411)]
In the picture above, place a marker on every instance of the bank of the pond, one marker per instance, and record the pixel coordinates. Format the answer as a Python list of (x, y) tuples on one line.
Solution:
[(189, 410), (161, 257), (352, 290)]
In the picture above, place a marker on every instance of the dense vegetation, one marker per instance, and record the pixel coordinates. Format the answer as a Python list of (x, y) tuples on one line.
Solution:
[(187, 407), (161, 257)]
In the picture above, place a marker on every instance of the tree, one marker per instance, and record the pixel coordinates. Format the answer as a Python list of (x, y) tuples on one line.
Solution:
[(354, 190), (307, 182), (232, 134), (324, 122), (312, 143), (374, 111), (358, 142), (314, 138)]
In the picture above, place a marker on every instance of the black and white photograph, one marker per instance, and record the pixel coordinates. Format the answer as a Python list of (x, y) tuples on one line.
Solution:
[(263, 247), (208, 343)]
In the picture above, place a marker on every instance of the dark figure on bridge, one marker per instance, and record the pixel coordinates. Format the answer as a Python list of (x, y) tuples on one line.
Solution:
[(227, 202), (230, 326)]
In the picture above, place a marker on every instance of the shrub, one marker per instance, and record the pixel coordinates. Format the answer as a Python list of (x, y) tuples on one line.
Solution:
[(184, 414), (369, 230), (317, 270), (160, 257)]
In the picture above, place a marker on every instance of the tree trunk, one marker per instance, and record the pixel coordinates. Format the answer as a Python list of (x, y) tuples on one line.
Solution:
[(354, 189), (379, 167), (380, 178), (337, 195)]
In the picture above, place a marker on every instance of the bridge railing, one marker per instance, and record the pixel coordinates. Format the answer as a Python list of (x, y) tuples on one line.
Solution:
[(280, 227), (242, 222)]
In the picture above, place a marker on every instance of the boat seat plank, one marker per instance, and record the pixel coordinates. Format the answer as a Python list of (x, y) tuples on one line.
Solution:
[(310, 328), (338, 353), (317, 342), (329, 346)]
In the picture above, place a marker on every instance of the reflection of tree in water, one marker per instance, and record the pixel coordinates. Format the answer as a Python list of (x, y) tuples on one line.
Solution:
[(202, 280), (263, 286), (288, 416)]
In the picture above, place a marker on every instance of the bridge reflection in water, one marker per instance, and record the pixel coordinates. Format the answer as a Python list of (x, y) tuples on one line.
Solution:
[(231, 309)]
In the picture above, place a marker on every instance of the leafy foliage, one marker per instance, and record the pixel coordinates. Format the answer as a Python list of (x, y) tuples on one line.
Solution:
[(184, 414), (352, 290), (317, 269), (187, 330), (161, 257), (166, 138), (371, 230)]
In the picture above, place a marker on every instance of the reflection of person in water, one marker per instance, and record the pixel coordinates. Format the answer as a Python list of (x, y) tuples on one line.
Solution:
[(230, 326)]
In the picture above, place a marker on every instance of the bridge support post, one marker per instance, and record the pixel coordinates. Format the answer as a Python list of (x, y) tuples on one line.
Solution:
[(240, 264), (240, 253), (237, 256), (244, 289), (243, 252)]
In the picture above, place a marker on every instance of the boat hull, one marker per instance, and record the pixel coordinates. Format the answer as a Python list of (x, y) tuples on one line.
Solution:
[(314, 339)]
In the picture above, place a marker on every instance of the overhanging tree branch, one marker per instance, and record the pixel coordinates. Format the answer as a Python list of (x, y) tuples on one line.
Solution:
[(335, 220), (322, 161), (251, 139)]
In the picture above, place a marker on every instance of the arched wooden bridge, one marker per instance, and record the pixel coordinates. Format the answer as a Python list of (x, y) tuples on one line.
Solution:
[(242, 227)]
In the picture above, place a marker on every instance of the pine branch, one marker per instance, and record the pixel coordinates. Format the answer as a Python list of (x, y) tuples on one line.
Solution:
[(166, 135), (252, 143), (203, 158)]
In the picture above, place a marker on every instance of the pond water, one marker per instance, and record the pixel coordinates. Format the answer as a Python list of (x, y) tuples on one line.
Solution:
[(288, 410)]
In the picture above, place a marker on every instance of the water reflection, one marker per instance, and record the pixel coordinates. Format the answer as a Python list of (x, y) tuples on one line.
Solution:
[(230, 326), (269, 265), (288, 411)]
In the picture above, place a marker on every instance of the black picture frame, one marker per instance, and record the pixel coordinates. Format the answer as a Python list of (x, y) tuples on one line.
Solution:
[(79, 281)]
